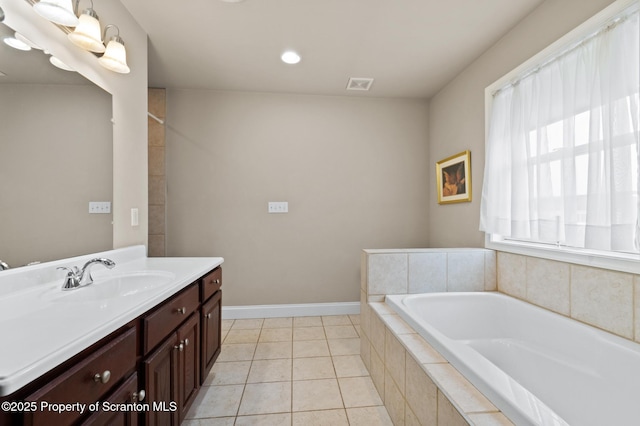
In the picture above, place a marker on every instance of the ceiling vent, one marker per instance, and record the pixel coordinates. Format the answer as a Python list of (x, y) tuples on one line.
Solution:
[(359, 83)]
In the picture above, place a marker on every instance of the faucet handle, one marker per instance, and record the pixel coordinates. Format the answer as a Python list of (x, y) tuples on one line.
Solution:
[(72, 270), (71, 280)]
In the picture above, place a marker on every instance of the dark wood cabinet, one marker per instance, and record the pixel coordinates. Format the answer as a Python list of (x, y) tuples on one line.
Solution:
[(161, 380), (188, 363), (112, 415), (157, 361), (211, 333), (172, 372), (211, 283), (165, 318), (86, 382)]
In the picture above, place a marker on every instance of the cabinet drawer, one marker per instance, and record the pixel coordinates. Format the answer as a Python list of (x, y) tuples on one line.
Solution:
[(211, 283), (161, 322), (86, 382), (127, 393)]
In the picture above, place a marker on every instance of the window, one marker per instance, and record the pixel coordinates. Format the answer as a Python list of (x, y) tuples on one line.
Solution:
[(561, 169)]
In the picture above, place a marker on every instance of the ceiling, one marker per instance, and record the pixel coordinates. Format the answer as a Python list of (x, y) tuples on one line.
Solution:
[(410, 47)]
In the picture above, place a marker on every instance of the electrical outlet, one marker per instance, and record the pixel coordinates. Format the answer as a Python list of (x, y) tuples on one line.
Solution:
[(278, 207), (99, 207)]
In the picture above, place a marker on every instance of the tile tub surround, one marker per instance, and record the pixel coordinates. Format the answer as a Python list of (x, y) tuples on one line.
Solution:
[(417, 385), (289, 371), (399, 271), (609, 300), (606, 299)]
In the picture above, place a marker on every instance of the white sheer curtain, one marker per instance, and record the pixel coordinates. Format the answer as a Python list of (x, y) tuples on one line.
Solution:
[(562, 153)]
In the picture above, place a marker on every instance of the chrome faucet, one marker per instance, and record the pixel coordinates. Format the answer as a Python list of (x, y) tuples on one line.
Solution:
[(3, 265), (82, 277)]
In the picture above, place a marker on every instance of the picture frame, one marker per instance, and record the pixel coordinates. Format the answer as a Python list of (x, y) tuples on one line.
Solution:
[(453, 178)]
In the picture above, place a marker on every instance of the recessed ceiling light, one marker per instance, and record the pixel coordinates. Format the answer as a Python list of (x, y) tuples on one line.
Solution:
[(290, 57), (16, 44), (232, 1)]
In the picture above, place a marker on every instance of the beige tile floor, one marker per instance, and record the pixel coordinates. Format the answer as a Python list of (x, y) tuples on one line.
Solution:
[(302, 371)]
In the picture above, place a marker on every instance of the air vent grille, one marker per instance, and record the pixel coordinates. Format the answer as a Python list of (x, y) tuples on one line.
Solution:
[(356, 83)]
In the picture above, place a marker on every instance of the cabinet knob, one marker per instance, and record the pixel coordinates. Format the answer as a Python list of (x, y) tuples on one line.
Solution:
[(138, 396), (216, 281), (102, 378), (186, 342), (179, 347), (208, 316), (182, 310)]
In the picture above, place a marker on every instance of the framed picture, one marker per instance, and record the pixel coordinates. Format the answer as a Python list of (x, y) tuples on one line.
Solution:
[(453, 176)]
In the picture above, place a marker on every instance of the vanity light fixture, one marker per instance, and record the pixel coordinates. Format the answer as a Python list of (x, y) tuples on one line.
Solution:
[(87, 32), (290, 57), (26, 41), (59, 12), (59, 64), (115, 56), (16, 44)]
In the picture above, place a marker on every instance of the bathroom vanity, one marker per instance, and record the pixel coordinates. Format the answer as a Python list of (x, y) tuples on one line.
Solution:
[(132, 348)]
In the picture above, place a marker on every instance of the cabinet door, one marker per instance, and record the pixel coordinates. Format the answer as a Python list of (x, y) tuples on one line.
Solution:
[(211, 333), (127, 393), (189, 363), (161, 381)]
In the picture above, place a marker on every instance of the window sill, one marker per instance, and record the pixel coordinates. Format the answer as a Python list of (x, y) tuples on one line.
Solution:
[(606, 260)]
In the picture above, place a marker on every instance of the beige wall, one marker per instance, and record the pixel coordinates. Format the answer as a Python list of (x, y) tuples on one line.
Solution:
[(353, 170), (129, 104), (456, 113), (56, 156)]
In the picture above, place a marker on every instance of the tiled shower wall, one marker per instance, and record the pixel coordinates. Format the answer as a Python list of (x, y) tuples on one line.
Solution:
[(157, 179)]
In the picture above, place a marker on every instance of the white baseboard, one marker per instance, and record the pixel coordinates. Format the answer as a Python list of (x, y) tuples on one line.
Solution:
[(296, 310)]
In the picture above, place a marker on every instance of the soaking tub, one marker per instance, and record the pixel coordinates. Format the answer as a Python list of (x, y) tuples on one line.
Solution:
[(537, 367)]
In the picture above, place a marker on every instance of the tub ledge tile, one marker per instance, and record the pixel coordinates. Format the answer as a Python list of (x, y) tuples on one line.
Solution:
[(421, 350), (458, 389), (489, 419), (382, 308), (397, 324)]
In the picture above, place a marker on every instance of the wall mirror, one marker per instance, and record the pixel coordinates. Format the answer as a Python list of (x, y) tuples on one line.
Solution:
[(56, 156)]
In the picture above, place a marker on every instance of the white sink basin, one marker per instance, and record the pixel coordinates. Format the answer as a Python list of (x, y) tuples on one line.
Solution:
[(113, 286)]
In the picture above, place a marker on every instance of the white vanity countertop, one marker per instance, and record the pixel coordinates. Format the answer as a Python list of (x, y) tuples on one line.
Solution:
[(38, 332)]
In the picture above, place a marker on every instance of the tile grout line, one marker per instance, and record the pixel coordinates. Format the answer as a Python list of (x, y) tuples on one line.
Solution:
[(291, 342)]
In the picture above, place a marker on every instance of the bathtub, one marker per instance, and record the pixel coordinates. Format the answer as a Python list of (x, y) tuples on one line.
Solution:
[(537, 367)]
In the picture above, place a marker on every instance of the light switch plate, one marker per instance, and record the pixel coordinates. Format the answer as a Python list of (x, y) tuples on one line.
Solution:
[(134, 217), (99, 207), (278, 207)]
